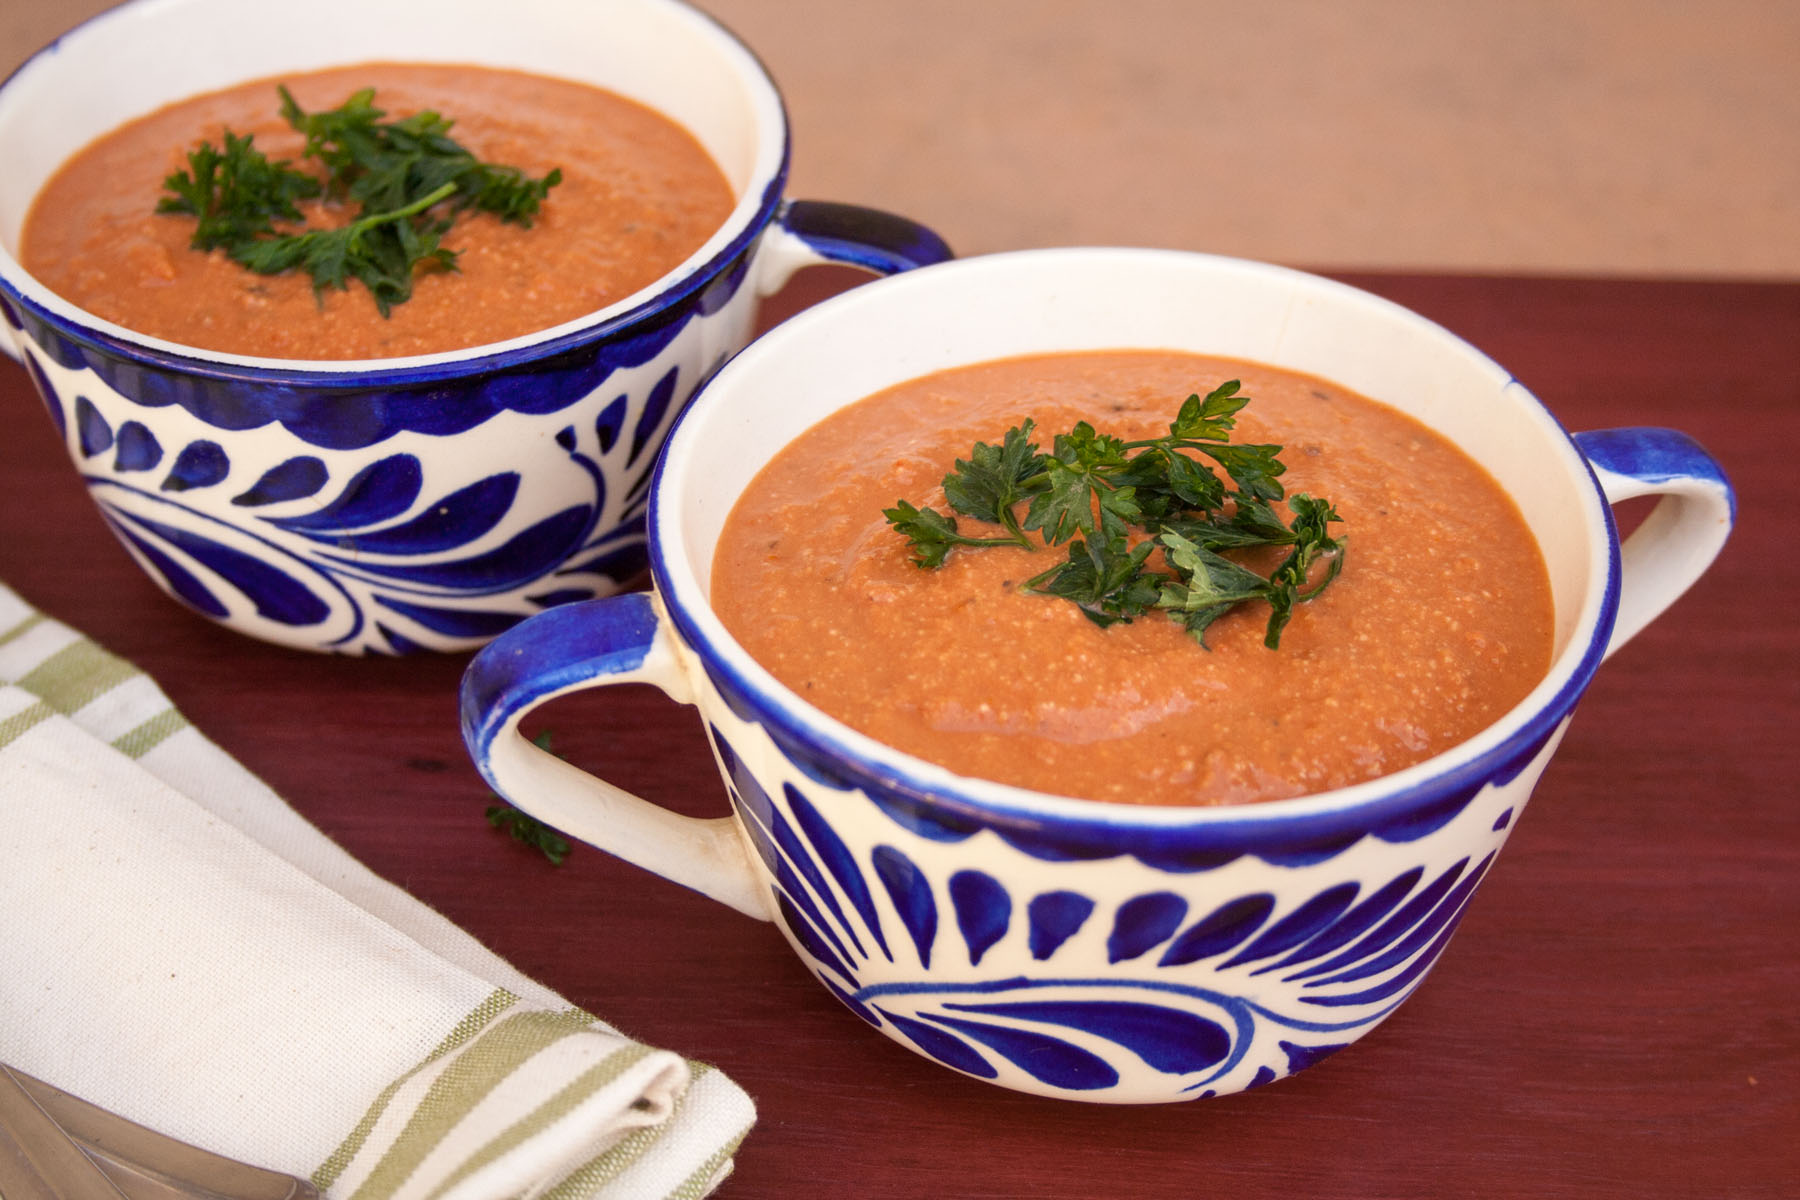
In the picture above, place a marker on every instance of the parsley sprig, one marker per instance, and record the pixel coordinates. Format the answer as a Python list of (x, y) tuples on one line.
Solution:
[(1114, 503), (526, 829), (408, 179)]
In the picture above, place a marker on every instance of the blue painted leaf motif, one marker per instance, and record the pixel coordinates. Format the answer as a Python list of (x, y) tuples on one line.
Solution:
[(138, 448), (526, 556), (910, 892), (451, 622), (608, 424), (790, 889), (809, 937), (295, 478), (618, 533), (921, 819), (398, 643), (565, 437), (1299, 925), (1501, 821), (1442, 918), (1264, 1075), (947, 1048), (1394, 927), (1300, 1057), (95, 434), (47, 392), (379, 492), (456, 520), (839, 861), (719, 292), (1355, 922), (1055, 917), (759, 837), (1221, 930), (759, 810), (850, 1002), (656, 407), (1142, 922), (619, 564), (1169, 1039), (277, 595), (1417, 823), (637, 497), (796, 875), (983, 911), (1310, 853), (560, 596), (180, 580), (799, 892), (200, 464), (619, 552), (800, 865), (1047, 1059), (1403, 980)]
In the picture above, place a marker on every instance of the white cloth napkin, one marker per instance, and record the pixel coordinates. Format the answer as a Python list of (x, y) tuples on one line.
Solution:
[(180, 946)]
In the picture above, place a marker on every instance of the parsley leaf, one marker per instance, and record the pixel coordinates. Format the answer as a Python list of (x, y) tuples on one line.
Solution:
[(1114, 504), (527, 829), (236, 193), (992, 480), (408, 179), (1105, 579), (1082, 493), (932, 534)]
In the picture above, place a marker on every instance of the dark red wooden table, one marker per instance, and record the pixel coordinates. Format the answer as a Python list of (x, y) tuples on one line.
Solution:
[(1619, 1015)]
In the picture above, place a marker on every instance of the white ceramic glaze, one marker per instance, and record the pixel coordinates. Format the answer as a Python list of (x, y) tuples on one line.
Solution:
[(1062, 946)]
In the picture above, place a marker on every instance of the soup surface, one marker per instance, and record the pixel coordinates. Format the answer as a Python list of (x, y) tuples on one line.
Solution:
[(638, 195), (1438, 623)]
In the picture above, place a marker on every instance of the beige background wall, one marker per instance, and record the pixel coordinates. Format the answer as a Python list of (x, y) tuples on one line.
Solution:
[(1583, 136)]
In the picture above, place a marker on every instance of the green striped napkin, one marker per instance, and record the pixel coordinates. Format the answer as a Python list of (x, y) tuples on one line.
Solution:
[(180, 946)]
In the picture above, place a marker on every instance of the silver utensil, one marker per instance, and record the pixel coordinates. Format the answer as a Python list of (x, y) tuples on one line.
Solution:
[(57, 1146)]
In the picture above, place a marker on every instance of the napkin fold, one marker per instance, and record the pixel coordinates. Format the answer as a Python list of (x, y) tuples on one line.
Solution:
[(180, 946)]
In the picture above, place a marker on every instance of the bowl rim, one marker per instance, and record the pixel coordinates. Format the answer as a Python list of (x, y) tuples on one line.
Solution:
[(1492, 754), (757, 206)]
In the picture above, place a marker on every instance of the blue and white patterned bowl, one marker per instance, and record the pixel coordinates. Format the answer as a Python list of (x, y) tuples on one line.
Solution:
[(1069, 947), (428, 502)]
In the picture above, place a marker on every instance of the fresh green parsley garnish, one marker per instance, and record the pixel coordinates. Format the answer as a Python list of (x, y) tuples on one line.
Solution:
[(1092, 491), (408, 179), (530, 831), (527, 829)]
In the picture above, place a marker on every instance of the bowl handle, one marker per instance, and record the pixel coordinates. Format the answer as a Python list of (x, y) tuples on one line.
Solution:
[(1681, 536), (617, 639), (809, 232)]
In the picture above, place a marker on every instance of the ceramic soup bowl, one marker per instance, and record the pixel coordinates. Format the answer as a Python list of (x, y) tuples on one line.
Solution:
[(383, 506), (1061, 946)]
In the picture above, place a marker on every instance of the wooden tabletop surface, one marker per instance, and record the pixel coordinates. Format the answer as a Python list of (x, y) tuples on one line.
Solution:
[(1616, 1017)]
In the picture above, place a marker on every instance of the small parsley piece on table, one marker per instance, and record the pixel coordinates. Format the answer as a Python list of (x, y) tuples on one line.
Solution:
[(408, 180), (526, 829), (1114, 503)]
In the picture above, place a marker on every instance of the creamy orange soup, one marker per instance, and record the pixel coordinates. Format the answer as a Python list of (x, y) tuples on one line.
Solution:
[(638, 195), (1439, 622)]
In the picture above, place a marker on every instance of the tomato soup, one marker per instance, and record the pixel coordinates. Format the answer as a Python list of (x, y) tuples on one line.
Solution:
[(1439, 621), (638, 196)]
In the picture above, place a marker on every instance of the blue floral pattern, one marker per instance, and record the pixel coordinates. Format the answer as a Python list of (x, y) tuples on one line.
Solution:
[(278, 514), (1077, 987)]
